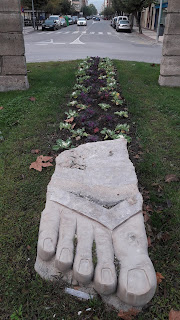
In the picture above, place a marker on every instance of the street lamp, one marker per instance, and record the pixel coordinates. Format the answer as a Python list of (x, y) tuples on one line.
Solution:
[(159, 20), (33, 16)]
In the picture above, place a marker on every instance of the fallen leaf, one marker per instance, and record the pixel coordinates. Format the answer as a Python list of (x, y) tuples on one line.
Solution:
[(159, 277), (41, 162), (148, 208), (149, 242), (73, 125), (35, 151), (78, 138), (76, 288), (171, 177), (28, 247), (46, 164), (46, 158), (96, 130), (152, 65), (36, 166), (69, 120), (146, 216), (136, 156), (174, 315), (128, 315), (1, 107), (32, 99)]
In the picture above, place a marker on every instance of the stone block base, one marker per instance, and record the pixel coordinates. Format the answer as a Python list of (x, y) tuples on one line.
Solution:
[(9, 83), (171, 81)]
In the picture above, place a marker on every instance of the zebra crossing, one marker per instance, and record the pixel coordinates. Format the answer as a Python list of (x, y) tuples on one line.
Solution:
[(80, 32)]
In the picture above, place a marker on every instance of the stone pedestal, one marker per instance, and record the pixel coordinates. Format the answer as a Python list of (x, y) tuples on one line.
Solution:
[(170, 63), (13, 73)]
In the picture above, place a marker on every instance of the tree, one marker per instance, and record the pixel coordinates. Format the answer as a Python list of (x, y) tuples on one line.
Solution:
[(52, 6), (65, 6), (86, 11), (108, 11), (38, 4), (89, 10), (93, 9), (132, 6)]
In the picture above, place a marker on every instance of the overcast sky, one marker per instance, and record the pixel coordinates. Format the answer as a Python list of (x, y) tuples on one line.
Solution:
[(97, 3)]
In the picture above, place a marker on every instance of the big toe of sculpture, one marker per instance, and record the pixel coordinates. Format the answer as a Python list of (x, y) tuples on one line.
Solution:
[(93, 196)]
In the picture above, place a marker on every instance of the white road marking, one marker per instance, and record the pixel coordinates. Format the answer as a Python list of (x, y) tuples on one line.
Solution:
[(45, 43), (109, 33), (66, 32), (83, 31), (75, 32), (41, 44), (100, 32), (59, 43), (92, 32), (77, 41)]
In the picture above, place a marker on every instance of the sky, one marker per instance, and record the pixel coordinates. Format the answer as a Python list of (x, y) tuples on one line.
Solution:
[(97, 3)]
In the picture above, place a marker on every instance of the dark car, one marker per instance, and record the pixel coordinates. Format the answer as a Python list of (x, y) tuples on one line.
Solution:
[(96, 19), (70, 20), (49, 25), (74, 19)]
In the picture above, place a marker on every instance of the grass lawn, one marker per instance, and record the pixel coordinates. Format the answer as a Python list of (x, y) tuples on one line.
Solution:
[(30, 120)]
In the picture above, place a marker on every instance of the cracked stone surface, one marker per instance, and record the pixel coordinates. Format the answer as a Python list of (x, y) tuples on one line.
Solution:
[(93, 197)]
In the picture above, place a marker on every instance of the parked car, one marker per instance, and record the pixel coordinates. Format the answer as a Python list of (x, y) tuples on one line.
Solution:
[(113, 22), (49, 24), (122, 18), (74, 19), (55, 19), (82, 22), (70, 20), (123, 25), (63, 22)]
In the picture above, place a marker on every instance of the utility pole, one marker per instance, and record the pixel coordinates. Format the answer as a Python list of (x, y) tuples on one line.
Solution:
[(159, 20), (33, 16)]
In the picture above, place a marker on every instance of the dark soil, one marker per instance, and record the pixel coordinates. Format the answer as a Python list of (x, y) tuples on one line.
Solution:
[(94, 119)]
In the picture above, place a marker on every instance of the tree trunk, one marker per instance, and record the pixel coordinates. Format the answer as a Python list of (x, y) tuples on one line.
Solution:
[(138, 19)]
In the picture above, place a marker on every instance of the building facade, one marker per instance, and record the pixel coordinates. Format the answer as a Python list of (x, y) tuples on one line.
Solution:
[(150, 15)]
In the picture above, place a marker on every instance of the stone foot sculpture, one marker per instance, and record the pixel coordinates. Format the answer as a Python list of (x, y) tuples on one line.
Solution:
[(93, 195)]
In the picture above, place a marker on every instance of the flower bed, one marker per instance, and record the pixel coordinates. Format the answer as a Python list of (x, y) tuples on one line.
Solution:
[(97, 110)]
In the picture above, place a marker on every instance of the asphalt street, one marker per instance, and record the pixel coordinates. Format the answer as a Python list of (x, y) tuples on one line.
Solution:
[(98, 38)]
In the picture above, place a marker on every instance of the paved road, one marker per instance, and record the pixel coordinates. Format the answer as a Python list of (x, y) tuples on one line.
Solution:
[(97, 39)]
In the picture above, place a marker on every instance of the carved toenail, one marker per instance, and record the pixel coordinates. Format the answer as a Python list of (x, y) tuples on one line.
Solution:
[(65, 255), (106, 276), (137, 281), (84, 266), (47, 245)]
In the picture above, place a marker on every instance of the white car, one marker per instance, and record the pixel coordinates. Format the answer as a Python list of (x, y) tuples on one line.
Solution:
[(123, 25), (122, 18), (82, 22)]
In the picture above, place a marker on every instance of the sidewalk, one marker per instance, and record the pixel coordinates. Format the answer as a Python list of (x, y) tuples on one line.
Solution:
[(30, 29), (148, 33)]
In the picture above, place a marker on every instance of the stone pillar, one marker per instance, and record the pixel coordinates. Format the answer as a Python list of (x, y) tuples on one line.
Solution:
[(13, 73), (170, 63)]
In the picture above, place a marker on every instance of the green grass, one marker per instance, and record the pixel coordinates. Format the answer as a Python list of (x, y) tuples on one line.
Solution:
[(28, 125)]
